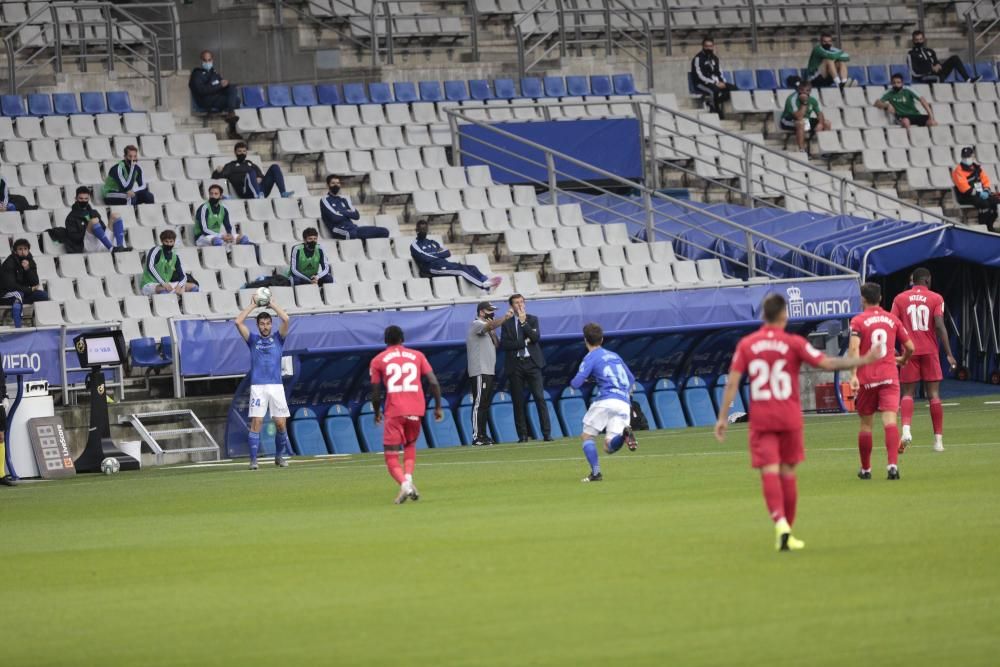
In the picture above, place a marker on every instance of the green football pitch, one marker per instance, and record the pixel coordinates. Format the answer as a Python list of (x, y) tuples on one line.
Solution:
[(509, 560)]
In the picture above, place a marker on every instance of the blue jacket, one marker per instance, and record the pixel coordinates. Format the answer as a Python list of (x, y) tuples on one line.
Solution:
[(427, 251), (337, 210)]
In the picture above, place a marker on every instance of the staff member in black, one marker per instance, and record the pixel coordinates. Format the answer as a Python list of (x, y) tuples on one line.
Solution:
[(519, 338), (707, 77)]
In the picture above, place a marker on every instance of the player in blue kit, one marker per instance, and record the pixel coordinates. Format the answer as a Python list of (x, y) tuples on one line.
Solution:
[(611, 411), (266, 390)]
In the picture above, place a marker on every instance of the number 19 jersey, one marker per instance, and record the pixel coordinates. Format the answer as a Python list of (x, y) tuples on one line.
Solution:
[(400, 369), (772, 357), (874, 326), (916, 308)]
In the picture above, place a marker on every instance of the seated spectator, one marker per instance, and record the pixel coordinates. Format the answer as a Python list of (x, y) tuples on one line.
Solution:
[(19, 281), (86, 232), (972, 188), (309, 265), (926, 68), (163, 273), (339, 214), (9, 202), (803, 116), (707, 77), (211, 222), (828, 64), (901, 103), (126, 183), (431, 259), (246, 178), (213, 93)]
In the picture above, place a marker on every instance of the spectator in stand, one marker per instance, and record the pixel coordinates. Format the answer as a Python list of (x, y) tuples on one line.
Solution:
[(87, 232), (19, 280), (213, 93), (828, 64), (339, 214), (309, 265), (902, 104), (972, 188), (803, 116), (211, 222), (126, 184), (9, 202), (707, 77), (431, 258), (248, 180), (926, 68), (163, 272)]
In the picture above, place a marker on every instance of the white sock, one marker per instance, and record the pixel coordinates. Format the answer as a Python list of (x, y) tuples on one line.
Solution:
[(938, 439), (837, 79), (906, 432), (408, 477)]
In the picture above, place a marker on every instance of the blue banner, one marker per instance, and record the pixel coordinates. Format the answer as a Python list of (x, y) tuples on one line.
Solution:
[(37, 351)]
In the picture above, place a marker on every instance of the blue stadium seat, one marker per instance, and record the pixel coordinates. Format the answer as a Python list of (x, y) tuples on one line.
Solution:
[(146, 354), (463, 419), (340, 434), (93, 103), (577, 86), (40, 104), (557, 431), (405, 92), (531, 86), (785, 73), (167, 349), (328, 93), (571, 409), (479, 89), (697, 402), (505, 89), (858, 73), (600, 84), (12, 106), (253, 97), (767, 80), (639, 396), (624, 84), (118, 102), (743, 78), (717, 390), (279, 96), (354, 93), (878, 75), (667, 410), (902, 69), (306, 435), (983, 68), (445, 432), (456, 91), (555, 86), (304, 95), (371, 433), (502, 418), (380, 93), (430, 91), (691, 89), (65, 104)]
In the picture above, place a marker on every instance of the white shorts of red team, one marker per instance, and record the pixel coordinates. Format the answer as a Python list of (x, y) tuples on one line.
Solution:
[(610, 415), (268, 396)]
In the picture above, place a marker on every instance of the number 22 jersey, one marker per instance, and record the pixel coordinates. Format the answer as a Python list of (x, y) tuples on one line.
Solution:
[(772, 357), (400, 369)]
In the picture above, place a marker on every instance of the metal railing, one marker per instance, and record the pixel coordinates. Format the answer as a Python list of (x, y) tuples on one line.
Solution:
[(982, 28)]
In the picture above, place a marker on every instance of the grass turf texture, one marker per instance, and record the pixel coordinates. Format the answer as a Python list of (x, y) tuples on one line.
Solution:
[(509, 560)]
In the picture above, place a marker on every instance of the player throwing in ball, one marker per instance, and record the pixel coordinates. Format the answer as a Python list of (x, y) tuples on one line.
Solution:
[(400, 369), (772, 358), (266, 390)]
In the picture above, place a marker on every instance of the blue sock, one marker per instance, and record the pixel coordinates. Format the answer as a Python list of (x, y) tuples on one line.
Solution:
[(119, 228), (245, 241), (590, 451), (616, 443), (99, 232), (281, 444), (15, 312), (254, 440), (217, 241)]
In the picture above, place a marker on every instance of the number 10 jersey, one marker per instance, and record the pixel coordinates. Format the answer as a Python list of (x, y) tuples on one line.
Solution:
[(400, 369)]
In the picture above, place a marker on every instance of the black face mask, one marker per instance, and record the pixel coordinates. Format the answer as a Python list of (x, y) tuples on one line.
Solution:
[(488, 316), (213, 202), (241, 158), (168, 252), (421, 235), (897, 88), (334, 189), (81, 204), (827, 46), (310, 245), (920, 45)]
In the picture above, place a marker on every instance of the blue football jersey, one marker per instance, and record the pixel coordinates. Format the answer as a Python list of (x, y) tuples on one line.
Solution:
[(265, 358), (613, 377)]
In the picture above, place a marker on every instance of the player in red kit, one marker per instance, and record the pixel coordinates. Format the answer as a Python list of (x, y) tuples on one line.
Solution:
[(400, 369), (920, 309), (876, 385), (772, 357)]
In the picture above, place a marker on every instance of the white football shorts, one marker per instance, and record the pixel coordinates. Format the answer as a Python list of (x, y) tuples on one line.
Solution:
[(610, 415), (264, 396)]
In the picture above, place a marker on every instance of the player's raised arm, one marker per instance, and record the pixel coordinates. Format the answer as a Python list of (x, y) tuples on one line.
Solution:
[(942, 334), (280, 312), (241, 321), (732, 386)]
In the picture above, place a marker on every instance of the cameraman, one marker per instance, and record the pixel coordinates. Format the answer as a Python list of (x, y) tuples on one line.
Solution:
[(972, 188)]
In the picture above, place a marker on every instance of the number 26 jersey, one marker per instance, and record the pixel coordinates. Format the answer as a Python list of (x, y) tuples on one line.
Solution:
[(399, 370), (771, 357)]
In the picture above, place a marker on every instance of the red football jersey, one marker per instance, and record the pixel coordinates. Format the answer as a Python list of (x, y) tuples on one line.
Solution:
[(877, 325), (400, 369), (772, 357), (916, 308)]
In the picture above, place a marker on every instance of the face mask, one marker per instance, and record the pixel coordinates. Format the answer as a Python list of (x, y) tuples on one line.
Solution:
[(168, 252), (241, 158), (421, 235), (213, 202), (488, 316), (82, 204), (334, 189), (206, 65), (919, 44), (967, 161), (828, 45), (310, 245), (897, 88)]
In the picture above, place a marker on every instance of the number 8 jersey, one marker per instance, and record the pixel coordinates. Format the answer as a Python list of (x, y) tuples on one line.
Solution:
[(873, 326), (399, 370), (772, 357)]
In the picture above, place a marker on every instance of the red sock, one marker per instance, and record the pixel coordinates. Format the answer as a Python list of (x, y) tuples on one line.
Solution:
[(392, 463), (906, 410), (773, 495), (791, 493), (892, 443), (410, 457), (865, 449), (937, 416)]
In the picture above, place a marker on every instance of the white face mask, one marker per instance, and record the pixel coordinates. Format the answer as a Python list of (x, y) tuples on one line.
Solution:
[(967, 161)]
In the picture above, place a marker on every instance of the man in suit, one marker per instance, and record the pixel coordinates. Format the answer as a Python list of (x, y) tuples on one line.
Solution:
[(520, 339)]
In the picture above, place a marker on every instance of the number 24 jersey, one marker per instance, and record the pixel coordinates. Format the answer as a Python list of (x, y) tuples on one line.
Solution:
[(400, 369)]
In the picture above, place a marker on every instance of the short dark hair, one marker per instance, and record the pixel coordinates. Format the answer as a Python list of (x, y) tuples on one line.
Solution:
[(263, 316), (215, 186), (330, 177), (706, 39), (593, 333), (916, 32), (83, 190), (168, 234), (515, 295), (825, 34), (393, 335), (871, 293), (22, 243), (773, 306), (921, 276), (309, 231), (128, 148), (239, 145), (897, 75)]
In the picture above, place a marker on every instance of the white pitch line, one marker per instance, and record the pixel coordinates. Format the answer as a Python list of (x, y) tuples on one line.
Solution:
[(991, 402)]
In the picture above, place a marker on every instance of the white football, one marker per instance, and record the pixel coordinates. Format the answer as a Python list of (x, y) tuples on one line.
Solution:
[(110, 466), (262, 297)]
